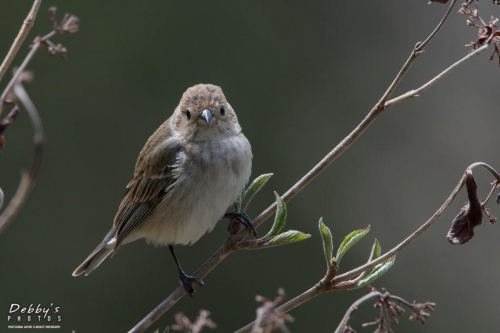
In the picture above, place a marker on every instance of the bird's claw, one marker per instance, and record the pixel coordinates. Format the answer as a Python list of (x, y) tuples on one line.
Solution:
[(241, 218), (188, 280)]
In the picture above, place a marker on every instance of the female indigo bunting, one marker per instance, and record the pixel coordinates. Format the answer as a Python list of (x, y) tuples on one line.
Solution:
[(189, 172)]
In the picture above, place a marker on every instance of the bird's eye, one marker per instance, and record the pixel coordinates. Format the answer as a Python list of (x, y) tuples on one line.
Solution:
[(222, 110), (188, 115)]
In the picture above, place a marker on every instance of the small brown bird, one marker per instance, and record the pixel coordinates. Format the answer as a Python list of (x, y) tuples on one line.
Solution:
[(189, 172)]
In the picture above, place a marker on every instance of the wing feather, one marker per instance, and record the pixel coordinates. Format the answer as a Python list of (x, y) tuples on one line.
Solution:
[(154, 174)]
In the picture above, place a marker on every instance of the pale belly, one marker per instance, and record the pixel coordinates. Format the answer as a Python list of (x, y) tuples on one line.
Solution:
[(199, 197)]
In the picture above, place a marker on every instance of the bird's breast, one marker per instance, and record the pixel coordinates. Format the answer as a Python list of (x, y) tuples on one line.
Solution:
[(210, 177)]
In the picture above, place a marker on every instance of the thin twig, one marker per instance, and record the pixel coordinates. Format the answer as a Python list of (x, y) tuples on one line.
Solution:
[(391, 306), (487, 167), (21, 68), (410, 239), (69, 24), (401, 300), (28, 104), (439, 26), (9, 118), (493, 189), (21, 36), (416, 92), (302, 298), (413, 56), (353, 308), (16, 202), (493, 185), (28, 179)]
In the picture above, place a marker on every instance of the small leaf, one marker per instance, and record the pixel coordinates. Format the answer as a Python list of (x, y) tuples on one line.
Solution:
[(376, 250), (326, 236), (350, 240), (279, 217), (377, 272), (287, 237), (374, 254), (255, 187)]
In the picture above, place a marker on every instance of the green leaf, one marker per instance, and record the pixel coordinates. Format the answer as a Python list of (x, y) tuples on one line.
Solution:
[(255, 187), (287, 237), (279, 217), (326, 236), (374, 254), (350, 240), (377, 272), (376, 250)]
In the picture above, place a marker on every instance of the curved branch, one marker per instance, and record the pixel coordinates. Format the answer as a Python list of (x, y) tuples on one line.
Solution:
[(353, 308), (15, 84), (28, 179), (487, 167), (16, 202)]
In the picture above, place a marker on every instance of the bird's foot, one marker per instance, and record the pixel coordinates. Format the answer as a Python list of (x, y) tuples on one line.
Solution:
[(188, 281), (241, 218)]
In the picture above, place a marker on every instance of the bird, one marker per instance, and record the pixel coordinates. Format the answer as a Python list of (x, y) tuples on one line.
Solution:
[(193, 167)]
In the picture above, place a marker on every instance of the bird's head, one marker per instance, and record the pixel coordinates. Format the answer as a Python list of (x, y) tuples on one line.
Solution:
[(204, 112)]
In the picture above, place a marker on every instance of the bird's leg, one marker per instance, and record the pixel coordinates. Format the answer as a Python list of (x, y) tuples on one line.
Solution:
[(186, 280), (241, 218)]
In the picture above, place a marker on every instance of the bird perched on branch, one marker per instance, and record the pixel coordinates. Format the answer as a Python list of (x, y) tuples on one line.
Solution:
[(189, 172)]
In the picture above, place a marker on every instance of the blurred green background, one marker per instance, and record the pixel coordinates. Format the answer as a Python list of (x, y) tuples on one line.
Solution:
[(300, 75)]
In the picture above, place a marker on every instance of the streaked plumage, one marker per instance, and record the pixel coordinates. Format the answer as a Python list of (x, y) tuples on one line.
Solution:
[(188, 173)]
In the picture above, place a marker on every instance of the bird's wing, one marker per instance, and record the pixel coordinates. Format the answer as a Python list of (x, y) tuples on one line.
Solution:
[(153, 177)]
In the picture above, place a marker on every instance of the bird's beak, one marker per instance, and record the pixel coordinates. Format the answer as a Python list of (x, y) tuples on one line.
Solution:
[(207, 117)]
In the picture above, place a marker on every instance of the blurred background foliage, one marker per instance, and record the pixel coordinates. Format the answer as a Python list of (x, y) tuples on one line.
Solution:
[(300, 75)]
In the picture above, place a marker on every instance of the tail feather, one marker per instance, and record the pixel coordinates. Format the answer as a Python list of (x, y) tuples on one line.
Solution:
[(101, 252)]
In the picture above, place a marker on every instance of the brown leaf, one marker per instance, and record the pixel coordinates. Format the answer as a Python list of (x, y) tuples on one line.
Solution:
[(471, 215)]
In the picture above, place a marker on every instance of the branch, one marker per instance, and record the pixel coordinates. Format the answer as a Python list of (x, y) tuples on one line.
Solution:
[(21, 36), (230, 245), (68, 24), (416, 92), (410, 239), (337, 284), (21, 68), (28, 179), (391, 308), (341, 281), (418, 50), (302, 298), (16, 202), (353, 308), (7, 121)]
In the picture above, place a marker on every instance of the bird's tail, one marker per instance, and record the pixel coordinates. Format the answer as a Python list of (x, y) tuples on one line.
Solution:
[(101, 252)]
